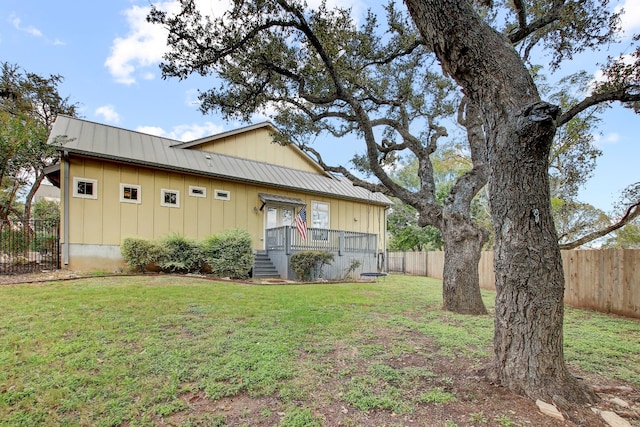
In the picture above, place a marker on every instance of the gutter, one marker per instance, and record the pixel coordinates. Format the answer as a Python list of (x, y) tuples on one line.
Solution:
[(65, 209)]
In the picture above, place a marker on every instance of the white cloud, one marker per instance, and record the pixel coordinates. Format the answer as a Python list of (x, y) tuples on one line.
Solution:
[(29, 29), (631, 19), (145, 43), (16, 22), (608, 139), (108, 113), (142, 47), (152, 130), (183, 132)]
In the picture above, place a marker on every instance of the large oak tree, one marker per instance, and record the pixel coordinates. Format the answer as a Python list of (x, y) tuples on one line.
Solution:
[(519, 128), (317, 72)]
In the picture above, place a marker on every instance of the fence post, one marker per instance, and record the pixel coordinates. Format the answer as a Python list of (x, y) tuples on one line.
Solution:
[(404, 262), (287, 240), (426, 264), (340, 242)]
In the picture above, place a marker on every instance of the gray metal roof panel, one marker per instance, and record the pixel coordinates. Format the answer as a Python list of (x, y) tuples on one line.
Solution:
[(108, 142)]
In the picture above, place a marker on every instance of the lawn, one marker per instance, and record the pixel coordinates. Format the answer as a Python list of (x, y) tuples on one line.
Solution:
[(167, 350)]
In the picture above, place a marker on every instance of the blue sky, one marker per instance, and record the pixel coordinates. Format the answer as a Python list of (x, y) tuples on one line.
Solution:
[(109, 56)]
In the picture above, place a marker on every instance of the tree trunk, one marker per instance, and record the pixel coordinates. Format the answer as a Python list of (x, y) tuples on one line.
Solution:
[(528, 338), (519, 129), (463, 240)]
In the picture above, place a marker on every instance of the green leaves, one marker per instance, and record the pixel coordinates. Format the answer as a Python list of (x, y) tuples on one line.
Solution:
[(29, 103)]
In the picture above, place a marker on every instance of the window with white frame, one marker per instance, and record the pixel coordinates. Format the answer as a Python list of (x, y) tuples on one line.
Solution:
[(85, 188), (222, 194), (320, 220), (130, 193), (320, 215), (169, 198), (197, 191)]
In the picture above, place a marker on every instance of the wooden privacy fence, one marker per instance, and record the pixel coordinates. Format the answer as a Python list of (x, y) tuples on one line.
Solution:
[(606, 280)]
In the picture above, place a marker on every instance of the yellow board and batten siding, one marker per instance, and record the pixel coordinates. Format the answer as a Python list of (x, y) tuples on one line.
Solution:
[(107, 220), (258, 145)]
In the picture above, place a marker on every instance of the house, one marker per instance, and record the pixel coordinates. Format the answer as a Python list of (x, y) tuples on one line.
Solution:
[(117, 183)]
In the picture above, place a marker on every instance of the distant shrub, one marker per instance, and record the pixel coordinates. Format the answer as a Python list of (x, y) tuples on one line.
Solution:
[(307, 265), (14, 241), (139, 253), (181, 255), (229, 254)]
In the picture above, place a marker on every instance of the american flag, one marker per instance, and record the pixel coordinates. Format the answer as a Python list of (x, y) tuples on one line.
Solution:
[(301, 222)]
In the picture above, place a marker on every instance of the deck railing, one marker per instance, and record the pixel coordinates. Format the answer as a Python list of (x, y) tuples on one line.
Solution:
[(288, 239)]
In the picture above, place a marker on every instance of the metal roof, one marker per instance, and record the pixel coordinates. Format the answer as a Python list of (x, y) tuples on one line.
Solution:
[(276, 198), (100, 141)]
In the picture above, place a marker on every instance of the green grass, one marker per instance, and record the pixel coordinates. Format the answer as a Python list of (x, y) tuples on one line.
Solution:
[(114, 350)]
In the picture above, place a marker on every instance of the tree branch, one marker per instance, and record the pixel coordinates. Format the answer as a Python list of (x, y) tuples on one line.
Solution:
[(632, 212), (629, 93)]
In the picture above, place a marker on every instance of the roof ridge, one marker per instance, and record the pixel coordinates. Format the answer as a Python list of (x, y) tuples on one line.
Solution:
[(222, 134), (244, 159), (117, 127)]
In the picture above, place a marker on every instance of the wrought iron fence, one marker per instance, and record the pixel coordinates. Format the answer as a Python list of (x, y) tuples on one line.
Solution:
[(29, 246)]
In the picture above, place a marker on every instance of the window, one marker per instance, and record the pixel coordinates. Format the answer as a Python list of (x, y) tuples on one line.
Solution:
[(170, 198), (320, 219), (85, 188), (287, 216), (222, 195), (130, 193), (319, 215), (197, 191), (279, 216)]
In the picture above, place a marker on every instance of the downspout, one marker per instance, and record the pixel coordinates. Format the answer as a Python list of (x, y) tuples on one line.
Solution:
[(65, 210)]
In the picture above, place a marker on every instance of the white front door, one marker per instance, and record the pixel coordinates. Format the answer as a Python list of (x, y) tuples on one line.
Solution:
[(278, 216)]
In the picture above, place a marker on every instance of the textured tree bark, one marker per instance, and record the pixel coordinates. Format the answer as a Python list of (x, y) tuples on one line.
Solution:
[(463, 240), (519, 129)]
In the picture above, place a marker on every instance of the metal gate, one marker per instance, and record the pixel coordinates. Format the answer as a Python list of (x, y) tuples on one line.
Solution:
[(29, 246)]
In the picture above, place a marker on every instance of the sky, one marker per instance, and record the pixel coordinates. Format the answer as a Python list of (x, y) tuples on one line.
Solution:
[(109, 55)]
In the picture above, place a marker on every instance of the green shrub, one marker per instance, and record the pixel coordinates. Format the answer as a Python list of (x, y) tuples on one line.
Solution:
[(14, 241), (139, 253), (44, 243), (307, 265), (353, 266), (182, 255), (229, 254)]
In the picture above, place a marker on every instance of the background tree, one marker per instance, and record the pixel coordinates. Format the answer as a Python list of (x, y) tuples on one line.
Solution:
[(29, 104), (519, 130), (46, 210), (627, 237), (450, 162), (405, 233), (318, 73)]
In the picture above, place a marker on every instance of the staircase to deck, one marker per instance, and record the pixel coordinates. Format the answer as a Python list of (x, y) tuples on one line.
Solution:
[(263, 268)]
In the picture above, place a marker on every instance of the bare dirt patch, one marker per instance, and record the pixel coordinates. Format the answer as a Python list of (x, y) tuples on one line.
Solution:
[(325, 378)]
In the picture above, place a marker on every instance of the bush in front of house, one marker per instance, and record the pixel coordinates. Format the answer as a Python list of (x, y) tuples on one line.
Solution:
[(139, 254), (182, 255), (307, 265), (229, 254)]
